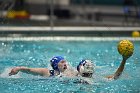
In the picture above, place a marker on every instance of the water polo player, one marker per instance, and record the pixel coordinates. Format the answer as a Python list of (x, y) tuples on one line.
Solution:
[(125, 48), (58, 63), (85, 70)]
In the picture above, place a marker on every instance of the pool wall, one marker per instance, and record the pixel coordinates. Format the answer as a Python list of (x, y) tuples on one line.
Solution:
[(68, 31)]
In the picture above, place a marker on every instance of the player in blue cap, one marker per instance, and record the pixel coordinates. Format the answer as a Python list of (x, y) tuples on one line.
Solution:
[(58, 63)]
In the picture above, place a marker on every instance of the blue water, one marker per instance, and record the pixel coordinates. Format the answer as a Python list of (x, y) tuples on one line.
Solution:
[(38, 53)]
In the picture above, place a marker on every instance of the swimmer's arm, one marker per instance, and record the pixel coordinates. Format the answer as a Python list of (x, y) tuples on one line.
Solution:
[(119, 71), (33, 71)]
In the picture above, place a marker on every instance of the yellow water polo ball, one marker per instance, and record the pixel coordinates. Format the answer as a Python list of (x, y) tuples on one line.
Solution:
[(125, 48), (135, 34)]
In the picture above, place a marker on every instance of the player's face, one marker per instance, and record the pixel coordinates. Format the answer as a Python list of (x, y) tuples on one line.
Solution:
[(62, 65)]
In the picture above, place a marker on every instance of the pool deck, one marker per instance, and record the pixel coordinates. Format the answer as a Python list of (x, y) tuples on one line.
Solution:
[(67, 31)]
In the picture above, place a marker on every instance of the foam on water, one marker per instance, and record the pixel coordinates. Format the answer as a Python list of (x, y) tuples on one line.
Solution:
[(5, 74)]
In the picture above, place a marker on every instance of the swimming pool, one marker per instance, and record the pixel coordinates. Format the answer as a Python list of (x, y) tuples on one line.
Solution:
[(36, 53)]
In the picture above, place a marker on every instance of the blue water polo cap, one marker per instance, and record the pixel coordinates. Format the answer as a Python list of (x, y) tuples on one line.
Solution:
[(55, 60), (82, 62)]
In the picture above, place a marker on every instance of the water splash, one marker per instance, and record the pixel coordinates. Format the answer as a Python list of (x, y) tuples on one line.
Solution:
[(5, 74)]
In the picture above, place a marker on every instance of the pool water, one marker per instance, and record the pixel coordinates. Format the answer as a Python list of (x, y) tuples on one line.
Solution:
[(38, 53)]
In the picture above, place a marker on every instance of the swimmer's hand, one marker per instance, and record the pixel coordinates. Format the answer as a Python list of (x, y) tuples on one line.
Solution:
[(15, 70), (110, 77)]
